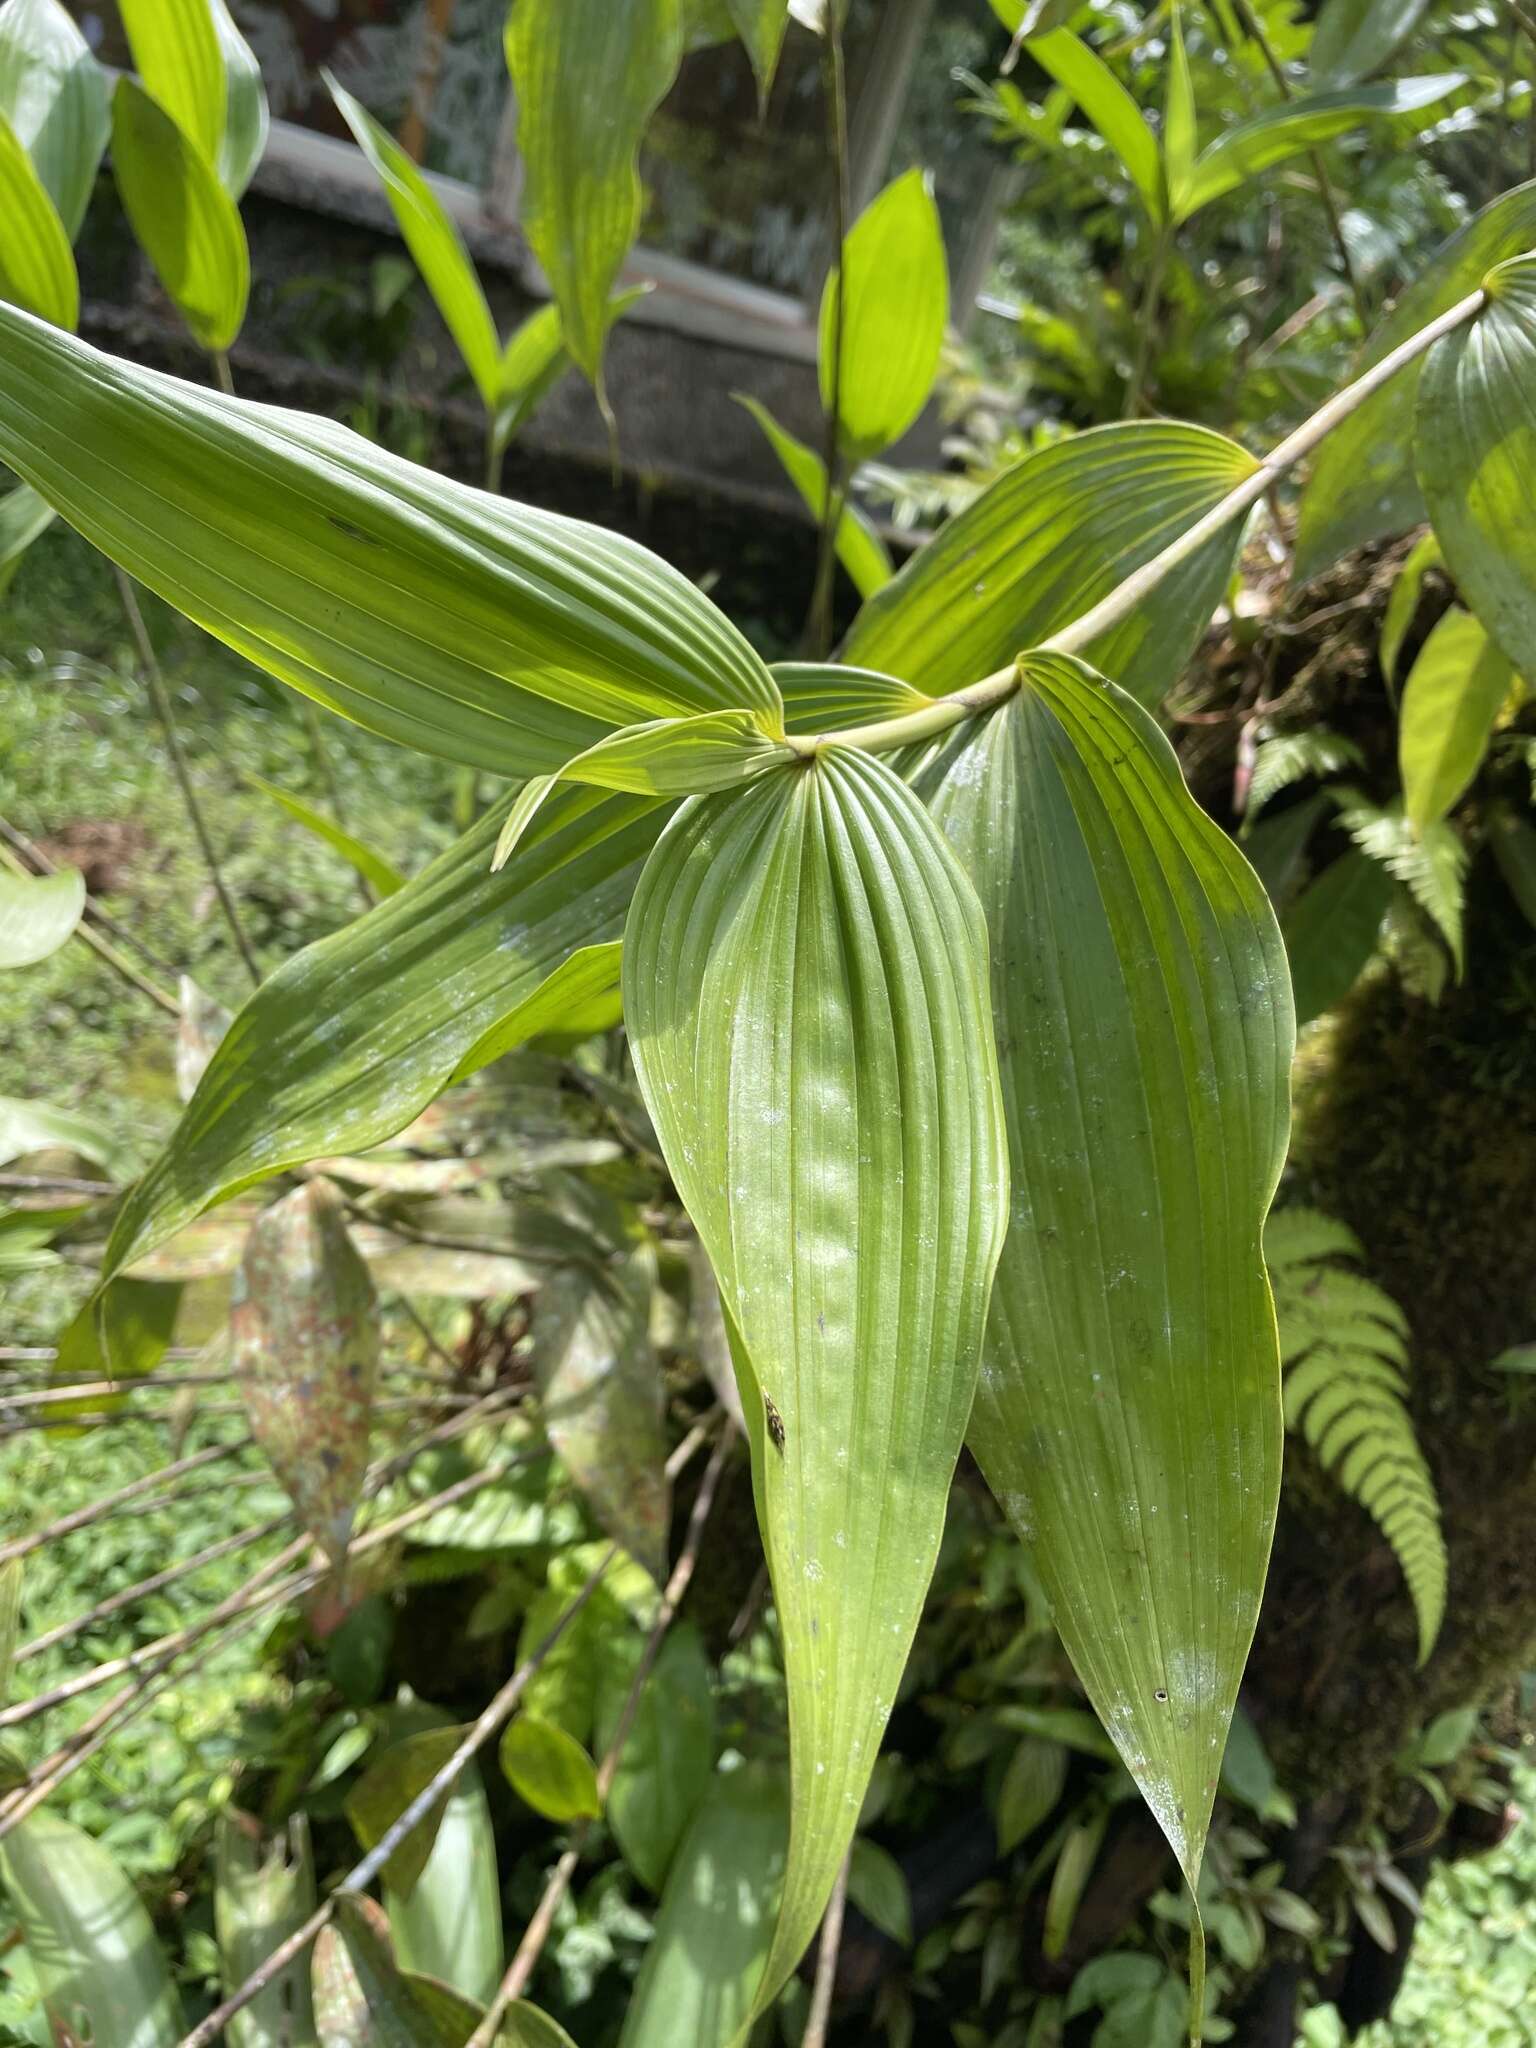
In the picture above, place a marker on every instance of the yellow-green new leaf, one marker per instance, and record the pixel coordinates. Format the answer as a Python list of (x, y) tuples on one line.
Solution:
[(582, 196), (54, 95), (177, 54), (352, 1038), (1128, 1414), (1475, 444), (37, 265), (1453, 694), (716, 1919), (1403, 603), (832, 697), (859, 547), (380, 875), (184, 219), (262, 1892), (1111, 109), (1051, 537), (469, 626), (1363, 485), (805, 992), (37, 914), (100, 1967), (549, 1770), (436, 245), (891, 291)]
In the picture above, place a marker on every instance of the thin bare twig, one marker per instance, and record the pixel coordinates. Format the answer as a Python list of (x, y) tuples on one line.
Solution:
[(515, 1982), (363, 1873), (815, 2035), (111, 1503), (160, 697)]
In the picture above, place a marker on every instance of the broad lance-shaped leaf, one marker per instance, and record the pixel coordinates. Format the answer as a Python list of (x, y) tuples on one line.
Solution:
[(177, 55), (1452, 696), (54, 95), (185, 221), (37, 914), (1331, 931), (892, 292), (468, 626), (602, 1399), (582, 196), (450, 1926), (37, 266), (1053, 535), (805, 992), (99, 1963), (716, 1920), (352, 1038), (262, 1892), (380, 875), (859, 547), (761, 25), (304, 1319), (1114, 113), (1128, 1415), (1475, 446), (1362, 485)]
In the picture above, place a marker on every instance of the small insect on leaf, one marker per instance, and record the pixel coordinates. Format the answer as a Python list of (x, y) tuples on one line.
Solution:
[(775, 1423)]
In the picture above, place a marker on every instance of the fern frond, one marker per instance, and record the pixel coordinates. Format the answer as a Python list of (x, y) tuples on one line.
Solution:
[(1432, 863), (1343, 1347), (1292, 757)]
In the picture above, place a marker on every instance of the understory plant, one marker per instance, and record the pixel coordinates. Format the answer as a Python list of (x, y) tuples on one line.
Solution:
[(955, 1031)]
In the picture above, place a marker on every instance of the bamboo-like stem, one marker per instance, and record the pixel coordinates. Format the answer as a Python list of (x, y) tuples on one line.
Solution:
[(975, 698), (529, 1949), (819, 624), (1255, 28), (125, 968), (495, 455), (363, 1873), (815, 2035), (160, 697), (223, 372), (112, 1503)]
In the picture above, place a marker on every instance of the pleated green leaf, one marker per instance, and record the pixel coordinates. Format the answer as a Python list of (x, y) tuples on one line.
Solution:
[(376, 871), (24, 518), (100, 1968), (354, 1036), (1111, 109), (805, 993), (1362, 485), (1128, 1414), (1047, 540), (1331, 931), (894, 304), (449, 1928), (716, 1919), (54, 94), (262, 1892), (1475, 442), (832, 697), (602, 1400), (465, 625), (1242, 152), (681, 756), (1453, 694), (180, 63), (859, 547), (246, 118), (436, 245), (582, 195), (304, 1329), (37, 914), (1353, 38), (37, 265), (185, 221)]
